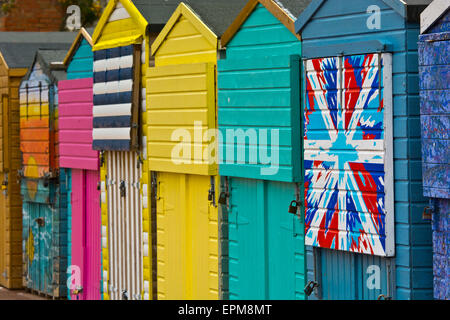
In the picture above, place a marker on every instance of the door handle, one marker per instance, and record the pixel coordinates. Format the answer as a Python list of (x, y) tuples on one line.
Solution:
[(40, 221)]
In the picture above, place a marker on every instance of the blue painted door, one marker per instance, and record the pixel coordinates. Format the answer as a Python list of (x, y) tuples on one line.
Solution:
[(37, 221), (266, 251), (348, 276)]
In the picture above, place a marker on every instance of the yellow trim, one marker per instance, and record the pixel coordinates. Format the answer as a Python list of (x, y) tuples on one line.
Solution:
[(190, 15), (20, 72), (3, 60), (81, 34), (118, 42), (132, 11)]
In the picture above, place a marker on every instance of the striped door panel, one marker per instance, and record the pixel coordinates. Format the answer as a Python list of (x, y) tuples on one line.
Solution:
[(116, 98), (125, 233)]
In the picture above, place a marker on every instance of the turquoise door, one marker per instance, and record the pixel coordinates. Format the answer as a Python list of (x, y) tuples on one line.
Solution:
[(37, 220), (266, 250), (44, 235)]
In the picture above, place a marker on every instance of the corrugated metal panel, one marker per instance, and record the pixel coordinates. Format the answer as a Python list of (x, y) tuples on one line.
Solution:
[(181, 107), (75, 124), (126, 238), (265, 250), (348, 159), (335, 25), (187, 237), (116, 98), (345, 276)]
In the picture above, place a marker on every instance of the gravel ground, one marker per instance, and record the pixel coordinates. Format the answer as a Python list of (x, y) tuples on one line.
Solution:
[(6, 294)]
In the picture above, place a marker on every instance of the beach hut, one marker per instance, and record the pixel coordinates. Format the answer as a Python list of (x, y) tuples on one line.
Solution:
[(261, 162), (181, 121), (364, 231), (43, 183), (434, 53), (121, 43), (17, 50), (82, 169)]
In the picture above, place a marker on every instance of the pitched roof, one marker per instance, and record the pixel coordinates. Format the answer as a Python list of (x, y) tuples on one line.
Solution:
[(217, 14), (408, 9), (82, 34), (433, 13), (51, 62), (19, 48), (284, 10), (210, 17)]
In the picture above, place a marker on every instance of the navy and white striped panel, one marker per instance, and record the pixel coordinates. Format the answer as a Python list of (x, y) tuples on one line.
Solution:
[(113, 86)]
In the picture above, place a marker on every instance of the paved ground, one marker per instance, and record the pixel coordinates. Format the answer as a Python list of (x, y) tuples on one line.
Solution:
[(6, 294)]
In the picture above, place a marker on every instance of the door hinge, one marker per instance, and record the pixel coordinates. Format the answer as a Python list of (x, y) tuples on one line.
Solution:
[(225, 195), (212, 191), (123, 189)]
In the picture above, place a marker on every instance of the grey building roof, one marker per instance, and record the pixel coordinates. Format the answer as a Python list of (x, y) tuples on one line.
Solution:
[(294, 7), (217, 14), (19, 48)]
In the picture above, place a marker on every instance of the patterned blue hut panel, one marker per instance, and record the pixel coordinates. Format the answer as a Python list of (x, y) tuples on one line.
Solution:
[(348, 154), (115, 97)]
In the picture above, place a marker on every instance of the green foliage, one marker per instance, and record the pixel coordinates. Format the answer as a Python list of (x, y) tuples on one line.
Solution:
[(7, 5)]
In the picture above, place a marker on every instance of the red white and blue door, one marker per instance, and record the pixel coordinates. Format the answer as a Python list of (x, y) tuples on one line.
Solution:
[(348, 141)]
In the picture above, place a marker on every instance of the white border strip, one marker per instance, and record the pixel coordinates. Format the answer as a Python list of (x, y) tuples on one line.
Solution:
[(389, 155)]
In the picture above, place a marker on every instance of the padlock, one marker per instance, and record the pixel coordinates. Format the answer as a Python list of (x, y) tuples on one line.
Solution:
[(293, 207), (310, 287), (223, 198)]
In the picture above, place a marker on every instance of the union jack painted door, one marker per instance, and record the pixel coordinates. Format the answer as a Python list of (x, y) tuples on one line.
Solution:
[(348, 141)]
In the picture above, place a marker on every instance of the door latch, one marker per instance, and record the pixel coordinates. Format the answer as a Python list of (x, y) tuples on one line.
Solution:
[(77, 291), (310, 287), (212, 192), (123, 189), (102, 158), (40, 221)]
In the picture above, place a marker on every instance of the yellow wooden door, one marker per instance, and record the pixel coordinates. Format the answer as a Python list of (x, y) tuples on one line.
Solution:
[(187, 237)]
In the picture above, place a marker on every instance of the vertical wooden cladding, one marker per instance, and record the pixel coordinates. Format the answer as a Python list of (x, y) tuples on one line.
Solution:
[(265, 248), (181, 97), (4, 164), (10, 200), (128, 246), (75, 125), (187, 235)]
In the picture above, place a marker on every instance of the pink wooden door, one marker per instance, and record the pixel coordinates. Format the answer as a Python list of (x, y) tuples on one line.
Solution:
[(86, 232)]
